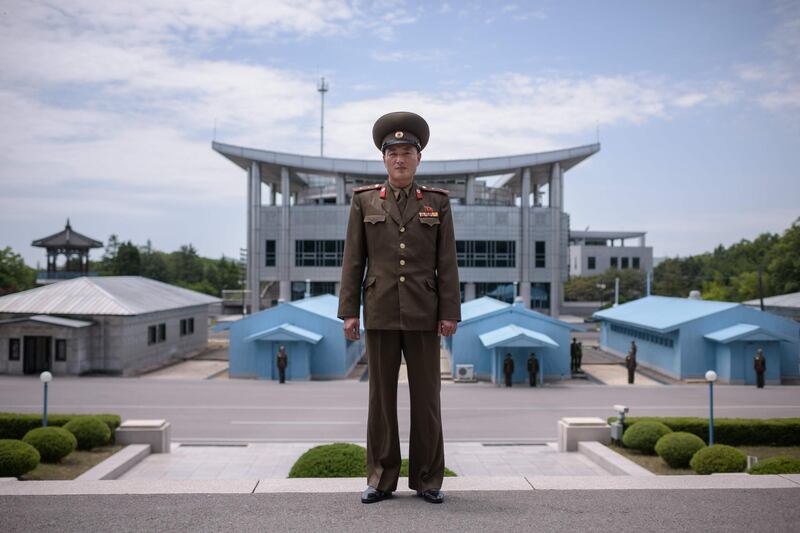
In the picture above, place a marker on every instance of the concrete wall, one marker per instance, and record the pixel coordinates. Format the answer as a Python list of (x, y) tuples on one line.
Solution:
[(579, 258), (79, 342)]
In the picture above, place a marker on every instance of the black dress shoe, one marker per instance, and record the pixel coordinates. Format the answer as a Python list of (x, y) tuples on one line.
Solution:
[(373, 495), (432, 495)]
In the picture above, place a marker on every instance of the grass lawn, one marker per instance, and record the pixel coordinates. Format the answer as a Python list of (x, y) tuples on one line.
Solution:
[(72, 465), (657, 465)]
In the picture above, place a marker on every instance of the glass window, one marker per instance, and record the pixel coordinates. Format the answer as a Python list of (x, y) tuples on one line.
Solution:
[(183, 327), (625, 262), (13, 349), (483, 254), (61, 350), (151, 335), (636, 263), (162, 332), (327, 253), (190, 324), (614, 262), (269, 252), (592, 262), (540, 261)]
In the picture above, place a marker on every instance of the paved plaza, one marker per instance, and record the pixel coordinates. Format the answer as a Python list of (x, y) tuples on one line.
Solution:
[(274, 460)]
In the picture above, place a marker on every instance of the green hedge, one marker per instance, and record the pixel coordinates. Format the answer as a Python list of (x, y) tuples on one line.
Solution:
[(644, 435), (718, 459), (90, 431), (732, 431), (52, 443), (776, 465), (678, 448), (340, 459), (17, 425), (17, 458)]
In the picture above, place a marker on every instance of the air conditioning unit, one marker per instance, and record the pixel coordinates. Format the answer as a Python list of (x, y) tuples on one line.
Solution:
[(465, 373)]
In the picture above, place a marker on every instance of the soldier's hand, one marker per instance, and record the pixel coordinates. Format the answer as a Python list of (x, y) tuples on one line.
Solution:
[(447, 327), (352, 329)]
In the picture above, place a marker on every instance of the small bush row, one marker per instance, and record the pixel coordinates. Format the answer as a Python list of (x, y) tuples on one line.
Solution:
[(340, 459), (17, 425), (732, 431)]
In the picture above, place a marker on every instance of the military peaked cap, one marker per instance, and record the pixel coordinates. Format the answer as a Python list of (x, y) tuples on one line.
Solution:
[(400, 127)]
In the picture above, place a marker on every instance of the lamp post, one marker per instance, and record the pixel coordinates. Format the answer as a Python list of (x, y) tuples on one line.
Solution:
[(45, 377), (711, 377), (602, 287)]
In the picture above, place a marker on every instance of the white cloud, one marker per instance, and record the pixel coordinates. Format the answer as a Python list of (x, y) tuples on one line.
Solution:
[(690, 99)]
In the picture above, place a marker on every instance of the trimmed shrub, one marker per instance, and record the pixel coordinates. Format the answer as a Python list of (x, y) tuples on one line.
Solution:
[(643, 436), (52, 443), (17, 425), (404, 470), (718, 459), (340, 459), (678, 448), (776, 465), (732, 431), (90, 431), (17, 458)]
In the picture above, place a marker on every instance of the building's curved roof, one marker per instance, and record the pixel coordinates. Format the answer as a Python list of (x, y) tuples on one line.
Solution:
[(373, 169)]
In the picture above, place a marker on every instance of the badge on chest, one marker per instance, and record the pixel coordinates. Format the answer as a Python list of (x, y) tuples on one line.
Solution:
[(428, 212)]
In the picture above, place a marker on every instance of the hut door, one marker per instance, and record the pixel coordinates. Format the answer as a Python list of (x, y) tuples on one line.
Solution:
[(36, 357)]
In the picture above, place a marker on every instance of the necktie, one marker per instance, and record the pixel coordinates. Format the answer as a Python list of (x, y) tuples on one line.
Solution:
[(402, 200)]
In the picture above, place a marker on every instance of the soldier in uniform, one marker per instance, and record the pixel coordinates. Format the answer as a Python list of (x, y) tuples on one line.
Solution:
[(573, 356), (533, 369), (401, 233), (579, 357), (760, 366), (630, 363), (508, 369), (282, 361)]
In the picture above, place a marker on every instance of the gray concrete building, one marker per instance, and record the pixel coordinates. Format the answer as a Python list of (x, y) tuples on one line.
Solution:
[(511, 228), (593, 252), (116, 325)]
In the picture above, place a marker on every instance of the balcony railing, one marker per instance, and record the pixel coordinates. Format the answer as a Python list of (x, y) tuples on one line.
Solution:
[(43, 275)]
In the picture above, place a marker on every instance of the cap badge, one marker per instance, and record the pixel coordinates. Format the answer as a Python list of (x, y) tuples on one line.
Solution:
[(398, 135)]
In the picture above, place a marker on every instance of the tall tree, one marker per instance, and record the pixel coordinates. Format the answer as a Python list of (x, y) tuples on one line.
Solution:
[(15, 275), (127, 261)]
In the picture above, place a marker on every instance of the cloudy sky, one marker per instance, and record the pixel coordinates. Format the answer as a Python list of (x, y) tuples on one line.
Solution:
[(108, 108)]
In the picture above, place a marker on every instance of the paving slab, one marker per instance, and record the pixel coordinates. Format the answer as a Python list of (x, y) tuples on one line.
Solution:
[(192, 370), (49, 488), (616, 375), (740, 481)]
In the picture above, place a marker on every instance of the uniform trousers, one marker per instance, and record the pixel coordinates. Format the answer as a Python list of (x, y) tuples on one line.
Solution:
[(426, 443)]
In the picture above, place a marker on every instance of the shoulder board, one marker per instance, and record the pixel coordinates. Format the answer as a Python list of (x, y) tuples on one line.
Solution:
[(434, 189), (367, 188)]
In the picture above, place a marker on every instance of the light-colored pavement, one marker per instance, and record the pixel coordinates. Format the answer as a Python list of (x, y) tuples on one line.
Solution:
[(274, 460), (191, 369), (611, 374)]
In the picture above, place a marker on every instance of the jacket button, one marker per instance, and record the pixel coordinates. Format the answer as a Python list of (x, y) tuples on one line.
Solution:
[(402, 262), (402, 279), (402, 229), (402, 246)]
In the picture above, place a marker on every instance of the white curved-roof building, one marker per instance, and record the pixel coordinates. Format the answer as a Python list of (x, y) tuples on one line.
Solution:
[(510, 240)]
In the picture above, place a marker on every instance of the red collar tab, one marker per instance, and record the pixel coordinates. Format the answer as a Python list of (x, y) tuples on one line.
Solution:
[(419, 194), (383, 192)]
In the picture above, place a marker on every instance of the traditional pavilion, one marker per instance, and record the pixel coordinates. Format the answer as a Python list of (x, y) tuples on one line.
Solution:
[(71, 245)]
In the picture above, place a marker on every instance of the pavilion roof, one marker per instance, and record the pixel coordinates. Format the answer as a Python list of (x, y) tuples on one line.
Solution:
[(67, 238)]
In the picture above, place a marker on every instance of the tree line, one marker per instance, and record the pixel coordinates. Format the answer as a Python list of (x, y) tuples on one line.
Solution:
[(183, 267), (766, 266)]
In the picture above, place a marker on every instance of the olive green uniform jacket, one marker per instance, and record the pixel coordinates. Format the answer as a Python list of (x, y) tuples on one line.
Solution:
[(411, 277)]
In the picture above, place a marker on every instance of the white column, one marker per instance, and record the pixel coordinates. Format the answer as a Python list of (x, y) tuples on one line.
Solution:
[(284, 265), (469, 193), (469, 291), (340, 189), (525, 240), (254, 234), (557, 207)]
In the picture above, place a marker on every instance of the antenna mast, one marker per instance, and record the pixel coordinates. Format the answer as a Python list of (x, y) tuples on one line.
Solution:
[(322, 87)]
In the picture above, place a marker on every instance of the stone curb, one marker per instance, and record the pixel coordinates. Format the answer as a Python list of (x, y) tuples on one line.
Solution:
[(356, 485), (610, 460), (117, 464)]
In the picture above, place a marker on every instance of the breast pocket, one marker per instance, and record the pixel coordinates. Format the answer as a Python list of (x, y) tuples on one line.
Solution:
[(374, 219), (429, 221)]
